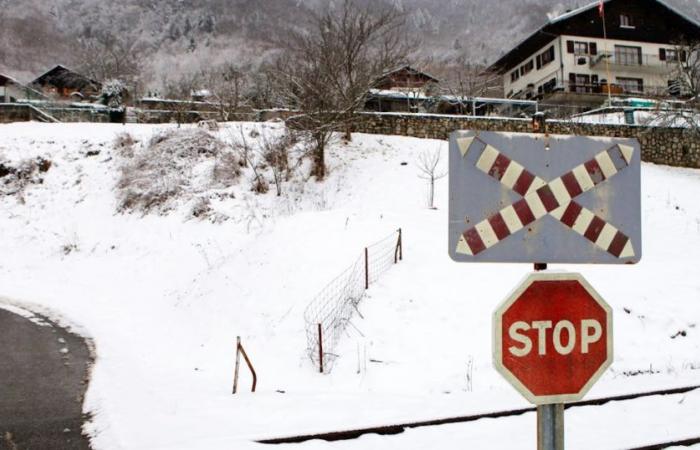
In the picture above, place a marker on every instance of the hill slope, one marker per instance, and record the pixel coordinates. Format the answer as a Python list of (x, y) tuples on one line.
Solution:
[(164, 298), (178, 35)]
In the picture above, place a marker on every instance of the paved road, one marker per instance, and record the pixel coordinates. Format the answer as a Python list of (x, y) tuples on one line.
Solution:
[(43, 372)]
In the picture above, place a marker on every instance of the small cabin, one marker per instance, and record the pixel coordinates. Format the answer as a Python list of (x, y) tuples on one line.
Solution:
[(65, 84), (405, 79)]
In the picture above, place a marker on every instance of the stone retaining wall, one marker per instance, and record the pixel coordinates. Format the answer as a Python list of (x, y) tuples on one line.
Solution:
[(670, 146)]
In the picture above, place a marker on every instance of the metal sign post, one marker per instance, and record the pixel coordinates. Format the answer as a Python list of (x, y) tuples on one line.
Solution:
[(540, 198), (550, 427)]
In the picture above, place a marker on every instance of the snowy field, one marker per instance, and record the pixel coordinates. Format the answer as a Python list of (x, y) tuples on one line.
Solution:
[(164, 297)]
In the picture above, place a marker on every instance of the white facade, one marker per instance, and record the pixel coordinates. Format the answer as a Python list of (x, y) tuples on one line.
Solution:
[(630, 67)]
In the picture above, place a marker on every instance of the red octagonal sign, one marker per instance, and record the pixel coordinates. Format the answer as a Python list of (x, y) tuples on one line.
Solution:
[(553, 337)]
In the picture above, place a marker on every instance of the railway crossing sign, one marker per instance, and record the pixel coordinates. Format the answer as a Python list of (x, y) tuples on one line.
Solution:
[(552, 337), (519, 197)]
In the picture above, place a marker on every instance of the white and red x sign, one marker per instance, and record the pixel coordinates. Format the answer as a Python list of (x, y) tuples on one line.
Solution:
[(557, 198)]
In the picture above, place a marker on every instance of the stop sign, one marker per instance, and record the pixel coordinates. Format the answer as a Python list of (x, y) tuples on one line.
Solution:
[(553, 337)]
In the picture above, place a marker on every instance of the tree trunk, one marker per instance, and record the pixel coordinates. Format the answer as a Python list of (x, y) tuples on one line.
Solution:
[(319, 167)]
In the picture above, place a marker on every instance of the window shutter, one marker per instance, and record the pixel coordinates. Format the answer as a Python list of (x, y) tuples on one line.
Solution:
[(539, 62), (594, 79), (593, 48), (662, 54), (569, 46), (684, 56)]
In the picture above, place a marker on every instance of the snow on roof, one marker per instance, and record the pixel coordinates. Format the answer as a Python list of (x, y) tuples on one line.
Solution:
[(577, 11), (408, 67), (422, 96)]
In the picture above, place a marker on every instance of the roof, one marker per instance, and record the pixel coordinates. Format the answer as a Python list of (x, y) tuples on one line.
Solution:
[(557, 26), (24, 86), (407, 67), (61, 73)]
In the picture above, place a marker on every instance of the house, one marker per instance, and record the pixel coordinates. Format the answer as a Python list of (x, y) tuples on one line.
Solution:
[(404, 89), (65, 84), (568, 60), (405, 79), (12, 91)]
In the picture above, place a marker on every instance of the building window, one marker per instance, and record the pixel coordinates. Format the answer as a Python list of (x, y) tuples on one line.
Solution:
[(549, 86), (673, 55), (514, 75), (527, 67), (626, 21), (547, 56), (628, 56), (580, 83), (580, 48), (631, 85)]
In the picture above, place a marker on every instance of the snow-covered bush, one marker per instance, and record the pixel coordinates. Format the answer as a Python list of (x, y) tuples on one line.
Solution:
[(15, 176), (113, 93), (173, 166)]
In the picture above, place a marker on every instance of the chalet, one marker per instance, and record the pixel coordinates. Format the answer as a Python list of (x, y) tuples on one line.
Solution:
[(63, 83), (404, 89), (405, 79), (12, 91), (569, 60)]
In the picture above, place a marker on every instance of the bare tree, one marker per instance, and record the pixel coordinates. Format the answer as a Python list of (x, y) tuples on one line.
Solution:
[(105, 56), (326, 73), (229, 87), (178, 93), (685, 84), (462, 79), (427, 164)]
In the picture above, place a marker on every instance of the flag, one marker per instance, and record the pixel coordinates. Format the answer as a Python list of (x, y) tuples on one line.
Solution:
[(601, 9)]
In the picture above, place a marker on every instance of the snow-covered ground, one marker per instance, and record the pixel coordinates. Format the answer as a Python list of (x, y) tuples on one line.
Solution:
[(164, 298)]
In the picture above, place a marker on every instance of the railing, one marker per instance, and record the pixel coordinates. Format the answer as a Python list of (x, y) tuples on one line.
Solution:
[(618, 59), (617, 89)]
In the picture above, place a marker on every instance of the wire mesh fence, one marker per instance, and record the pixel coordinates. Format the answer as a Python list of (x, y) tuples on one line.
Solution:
[(329, 313)]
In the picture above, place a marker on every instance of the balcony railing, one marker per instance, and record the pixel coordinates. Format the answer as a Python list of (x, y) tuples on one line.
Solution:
[(555, 84), (629, 61)]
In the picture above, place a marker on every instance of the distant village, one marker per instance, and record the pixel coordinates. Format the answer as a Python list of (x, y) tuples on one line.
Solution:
[(642, 59)]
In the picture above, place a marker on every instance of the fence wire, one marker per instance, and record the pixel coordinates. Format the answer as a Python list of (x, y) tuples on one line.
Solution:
[(333, 306)]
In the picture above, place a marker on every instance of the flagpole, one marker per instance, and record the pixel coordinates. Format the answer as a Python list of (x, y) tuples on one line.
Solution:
[(605, 49)]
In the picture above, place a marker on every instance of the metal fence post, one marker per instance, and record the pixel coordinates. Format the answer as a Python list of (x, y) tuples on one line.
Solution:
[(238, 364), (398, 253), (240, 350), (366, 268), (320, 348)]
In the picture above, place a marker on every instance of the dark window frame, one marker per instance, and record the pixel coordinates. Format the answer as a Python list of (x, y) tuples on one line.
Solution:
[(628, 55), (626, 81), (627, 21), (547, 56)]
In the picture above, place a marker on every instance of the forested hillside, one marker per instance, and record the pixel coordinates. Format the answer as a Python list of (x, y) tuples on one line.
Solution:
[(174, 36)]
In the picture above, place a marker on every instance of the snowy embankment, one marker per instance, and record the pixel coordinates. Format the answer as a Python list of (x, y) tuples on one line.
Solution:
[(164, 297)]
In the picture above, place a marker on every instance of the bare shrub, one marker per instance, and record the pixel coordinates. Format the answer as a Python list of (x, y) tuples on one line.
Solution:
[(124, 144), (165, 169), (16, 176), (227, 169), (427, 164), (275, 152)]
